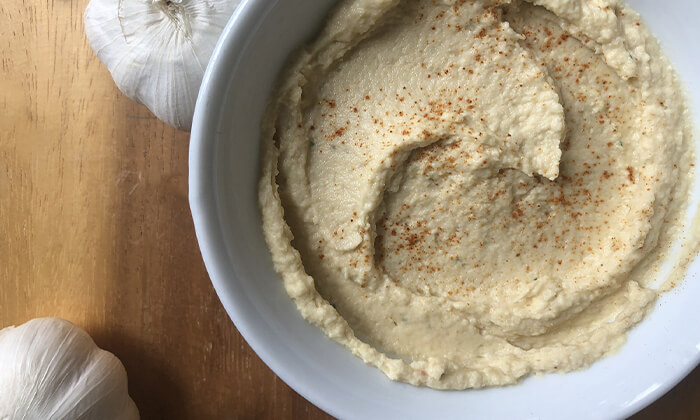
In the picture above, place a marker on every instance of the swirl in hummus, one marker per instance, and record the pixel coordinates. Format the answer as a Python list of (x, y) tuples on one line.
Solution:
[(468, 192)]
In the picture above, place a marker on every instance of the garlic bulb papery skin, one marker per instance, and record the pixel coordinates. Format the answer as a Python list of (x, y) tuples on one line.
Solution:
[(157, 50), (51, 369)]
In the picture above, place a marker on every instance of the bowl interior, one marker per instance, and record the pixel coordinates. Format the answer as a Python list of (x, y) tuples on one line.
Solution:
[(223, 197)]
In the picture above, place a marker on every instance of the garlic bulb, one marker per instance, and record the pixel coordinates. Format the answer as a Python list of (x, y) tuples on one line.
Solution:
[(157, 50), (51, 369)]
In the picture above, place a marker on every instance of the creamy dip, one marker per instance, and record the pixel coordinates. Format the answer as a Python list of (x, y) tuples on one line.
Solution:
[(464, 193)]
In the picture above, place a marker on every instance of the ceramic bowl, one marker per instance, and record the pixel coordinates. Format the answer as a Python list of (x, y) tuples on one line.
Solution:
[(223, 179)]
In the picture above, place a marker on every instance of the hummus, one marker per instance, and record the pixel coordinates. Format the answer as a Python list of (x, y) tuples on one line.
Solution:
[(465, 193)]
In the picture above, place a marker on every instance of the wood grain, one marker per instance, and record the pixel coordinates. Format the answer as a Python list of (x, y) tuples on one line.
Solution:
[(95, 228)]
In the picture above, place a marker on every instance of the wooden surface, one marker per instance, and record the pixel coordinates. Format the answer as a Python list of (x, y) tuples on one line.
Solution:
[(95, 228)]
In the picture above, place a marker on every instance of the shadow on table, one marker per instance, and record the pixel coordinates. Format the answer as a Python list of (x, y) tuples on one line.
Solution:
[(151, 382), (157, 315)]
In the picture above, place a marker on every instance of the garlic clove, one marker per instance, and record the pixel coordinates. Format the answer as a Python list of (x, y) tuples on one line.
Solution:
[(157, 50), (51, 369)]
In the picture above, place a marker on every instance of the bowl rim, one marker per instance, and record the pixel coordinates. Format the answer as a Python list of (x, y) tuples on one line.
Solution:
[(203, 199), (204, 207)]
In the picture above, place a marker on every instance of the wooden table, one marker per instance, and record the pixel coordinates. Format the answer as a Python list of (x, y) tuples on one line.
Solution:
[(95, 228)]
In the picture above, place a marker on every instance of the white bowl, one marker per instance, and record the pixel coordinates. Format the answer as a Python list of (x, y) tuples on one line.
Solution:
[(223, 185)]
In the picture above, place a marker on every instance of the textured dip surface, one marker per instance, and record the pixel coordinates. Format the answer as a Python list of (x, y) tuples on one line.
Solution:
[(465, 193)]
